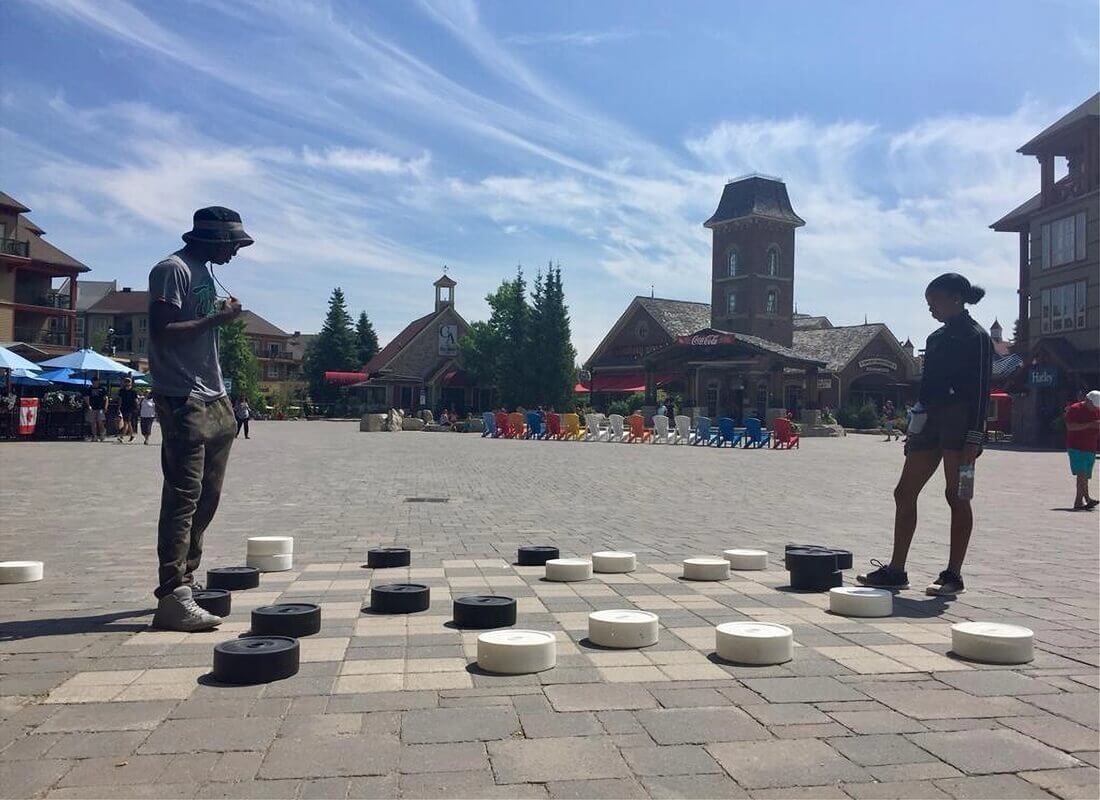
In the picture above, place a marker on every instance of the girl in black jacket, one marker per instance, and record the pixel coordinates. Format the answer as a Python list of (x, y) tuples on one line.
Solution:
[(954, 393)]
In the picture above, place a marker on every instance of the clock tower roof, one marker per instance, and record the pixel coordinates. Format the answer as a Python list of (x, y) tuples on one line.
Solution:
[(755, 196)]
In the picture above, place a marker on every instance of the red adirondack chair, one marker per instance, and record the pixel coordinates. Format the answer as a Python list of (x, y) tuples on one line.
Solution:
[(638, 432), (783, 434), (553, 426), (504, 427)]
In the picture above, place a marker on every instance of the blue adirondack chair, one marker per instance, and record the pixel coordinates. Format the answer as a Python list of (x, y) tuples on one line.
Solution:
[(490, 422), (703, 433), (534, 425), (755, 435), (727, 433)]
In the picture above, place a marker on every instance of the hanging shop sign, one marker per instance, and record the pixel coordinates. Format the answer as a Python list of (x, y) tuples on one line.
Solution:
[(878, 365), (1042, 377)]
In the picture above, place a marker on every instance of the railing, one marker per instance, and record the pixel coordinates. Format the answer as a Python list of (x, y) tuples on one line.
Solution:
[(14, 247), (40, 336)]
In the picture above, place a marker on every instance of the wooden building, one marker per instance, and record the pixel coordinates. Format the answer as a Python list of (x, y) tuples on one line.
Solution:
[(1059, 275), (747, 353)]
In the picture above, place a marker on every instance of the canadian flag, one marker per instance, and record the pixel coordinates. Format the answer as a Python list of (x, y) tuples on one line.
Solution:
[(28, 415)]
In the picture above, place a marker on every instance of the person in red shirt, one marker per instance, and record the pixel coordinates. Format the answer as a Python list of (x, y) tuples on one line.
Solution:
[(1082, 442)]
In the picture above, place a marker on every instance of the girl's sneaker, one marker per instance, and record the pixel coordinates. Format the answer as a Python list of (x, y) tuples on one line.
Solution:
[(885, 577), (948, 584)]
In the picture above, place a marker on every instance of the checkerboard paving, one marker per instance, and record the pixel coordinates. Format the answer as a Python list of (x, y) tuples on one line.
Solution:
[(92, 700)]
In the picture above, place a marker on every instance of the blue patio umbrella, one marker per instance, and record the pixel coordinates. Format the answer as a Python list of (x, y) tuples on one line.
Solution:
[(65, 377), (88, 360), (25, 377), (12, 360)]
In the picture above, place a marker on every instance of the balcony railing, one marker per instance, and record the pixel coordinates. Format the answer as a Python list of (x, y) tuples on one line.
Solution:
[(41, 336), (14, 247)]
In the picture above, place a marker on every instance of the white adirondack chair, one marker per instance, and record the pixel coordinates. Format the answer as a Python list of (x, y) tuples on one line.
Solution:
[(683, 429), (617, 433), (661, 432), (595, 428)]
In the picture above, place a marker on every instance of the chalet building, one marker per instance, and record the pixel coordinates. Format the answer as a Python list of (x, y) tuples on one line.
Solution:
[(88, 293), (119, 323), (747, 353), (29, 311), (279, 361), (1058, 229), (419, 367)]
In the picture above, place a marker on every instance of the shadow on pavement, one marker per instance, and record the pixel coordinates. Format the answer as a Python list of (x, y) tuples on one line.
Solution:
[(65, 626)]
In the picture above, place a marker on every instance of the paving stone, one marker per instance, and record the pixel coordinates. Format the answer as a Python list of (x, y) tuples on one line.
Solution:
[(993, 682), (139, 716), (950, 704), (1048, 729), (700, 725), (690, 698), (670, 787), (114, 772), (802, 690), (670, 760), (599, 697), (802, 793), (990, 787), (898, 790), (449, 757), (879, 749), (884, 721), (138, 791), (803, 762), (93, 745), (1082, 708), (577, 723), (786, 714), (458, 725), (323, 789), (253, 790), (611, 788), (619, 722), (918, 771), (330, 756), (189, 736), (28, 779), (374, 788), (542, 760), (1060, 781), (980, 752), (472, 784)]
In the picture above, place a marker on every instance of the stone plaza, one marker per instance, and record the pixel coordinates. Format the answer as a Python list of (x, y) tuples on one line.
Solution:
[(93, 703)]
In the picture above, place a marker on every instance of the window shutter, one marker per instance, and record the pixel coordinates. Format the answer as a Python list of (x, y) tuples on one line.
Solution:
[(1045, 313), (1046, 246), (1079, 236), (1082, 289)]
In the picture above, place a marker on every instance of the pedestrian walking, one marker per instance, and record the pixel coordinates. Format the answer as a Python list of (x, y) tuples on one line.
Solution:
[(127, 406), (147, 413), (243, 413), (95, 410), (196, 418), (890, 416), (1082, 442), (948, 425)]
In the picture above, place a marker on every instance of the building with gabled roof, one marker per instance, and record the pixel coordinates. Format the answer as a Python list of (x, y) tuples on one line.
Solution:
[(419, 367), (1058, 268), (30, 310), (747, 352)]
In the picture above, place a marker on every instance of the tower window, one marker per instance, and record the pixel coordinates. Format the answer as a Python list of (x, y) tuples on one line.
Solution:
[(771, 302), (773, 260), (731, 303), (731, 263)]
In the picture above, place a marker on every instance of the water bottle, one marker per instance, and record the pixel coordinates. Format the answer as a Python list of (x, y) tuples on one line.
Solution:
[(918, 417), (966, 482)]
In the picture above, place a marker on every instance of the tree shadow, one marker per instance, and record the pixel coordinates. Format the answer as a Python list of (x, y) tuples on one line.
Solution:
[(67, 626)]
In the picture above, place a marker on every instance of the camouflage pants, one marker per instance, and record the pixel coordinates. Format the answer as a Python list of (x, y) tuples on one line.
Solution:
[(193, 456)]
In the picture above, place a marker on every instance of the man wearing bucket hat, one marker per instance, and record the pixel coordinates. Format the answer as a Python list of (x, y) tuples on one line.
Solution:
[(1082, 441), (196, 419)]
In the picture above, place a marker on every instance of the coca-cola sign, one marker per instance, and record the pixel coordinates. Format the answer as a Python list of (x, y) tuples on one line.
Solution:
[(706, 339)]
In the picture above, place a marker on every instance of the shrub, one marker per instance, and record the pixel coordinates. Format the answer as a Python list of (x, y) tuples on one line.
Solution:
[(858, 417)]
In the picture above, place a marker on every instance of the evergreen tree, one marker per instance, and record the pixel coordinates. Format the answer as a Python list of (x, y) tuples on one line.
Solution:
[(334, 349), (557, 352), (238, 362), (495, 351), (366, 339)]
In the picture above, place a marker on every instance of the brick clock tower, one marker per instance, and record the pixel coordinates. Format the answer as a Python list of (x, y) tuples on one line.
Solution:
[(752, 261)]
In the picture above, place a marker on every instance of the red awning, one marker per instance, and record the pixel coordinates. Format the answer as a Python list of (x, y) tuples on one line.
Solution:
[(623, 382), (344, 378)]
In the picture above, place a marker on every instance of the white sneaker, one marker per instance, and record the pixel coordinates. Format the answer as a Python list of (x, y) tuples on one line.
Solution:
[(178, 611)]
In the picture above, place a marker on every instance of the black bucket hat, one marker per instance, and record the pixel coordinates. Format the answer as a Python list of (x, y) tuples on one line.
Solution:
[(218, 225)]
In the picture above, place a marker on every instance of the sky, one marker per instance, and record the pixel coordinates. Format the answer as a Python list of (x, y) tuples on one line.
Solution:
[(368, 144)]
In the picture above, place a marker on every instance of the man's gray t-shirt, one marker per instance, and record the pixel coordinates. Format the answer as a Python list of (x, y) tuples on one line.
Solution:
[(185, 367)]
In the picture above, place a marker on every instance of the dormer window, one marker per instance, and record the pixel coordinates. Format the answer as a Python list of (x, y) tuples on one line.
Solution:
[(773, 261), (731, 263)]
